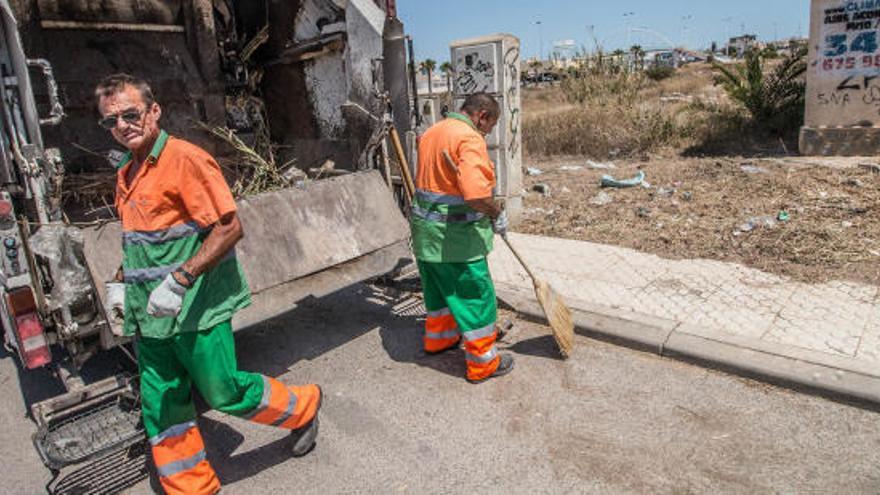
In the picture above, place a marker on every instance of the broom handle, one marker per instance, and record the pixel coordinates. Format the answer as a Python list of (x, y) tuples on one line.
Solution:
[(408, 184), (451, 163), (520, 259)]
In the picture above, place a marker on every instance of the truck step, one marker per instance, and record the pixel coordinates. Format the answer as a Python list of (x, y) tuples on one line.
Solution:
[(81, 434)]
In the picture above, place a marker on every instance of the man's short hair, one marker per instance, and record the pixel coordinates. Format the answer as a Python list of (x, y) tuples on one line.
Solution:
[(481, 102), (115, 83)]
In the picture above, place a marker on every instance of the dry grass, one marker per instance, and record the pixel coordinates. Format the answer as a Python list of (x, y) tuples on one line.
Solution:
[(599, 131), (695, 80), (88, 190), (630, 116), (605, 113), (833, 233)]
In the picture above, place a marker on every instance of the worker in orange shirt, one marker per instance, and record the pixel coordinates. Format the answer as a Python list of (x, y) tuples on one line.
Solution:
[(179, 285), (454, 219)]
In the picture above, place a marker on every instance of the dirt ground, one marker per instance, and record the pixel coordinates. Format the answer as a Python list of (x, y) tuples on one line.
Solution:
[(701, 208), (717, 191)]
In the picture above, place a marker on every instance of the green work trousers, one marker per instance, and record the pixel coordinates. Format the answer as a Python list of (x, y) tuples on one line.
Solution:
[(460, 302)]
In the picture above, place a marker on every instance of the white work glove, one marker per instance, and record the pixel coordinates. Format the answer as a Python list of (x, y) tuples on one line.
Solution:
[(499, 225), (167, 298), (114, 302)]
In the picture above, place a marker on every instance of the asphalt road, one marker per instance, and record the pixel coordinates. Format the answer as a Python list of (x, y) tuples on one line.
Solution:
[(608, 420)]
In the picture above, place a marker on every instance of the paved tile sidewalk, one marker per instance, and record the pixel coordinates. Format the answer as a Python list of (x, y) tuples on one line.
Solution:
[(721, 301)]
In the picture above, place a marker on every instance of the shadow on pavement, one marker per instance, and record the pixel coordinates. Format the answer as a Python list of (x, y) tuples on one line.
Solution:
[(222, 440), (542, 347), (401, 335), (40, 384), (315, 327)]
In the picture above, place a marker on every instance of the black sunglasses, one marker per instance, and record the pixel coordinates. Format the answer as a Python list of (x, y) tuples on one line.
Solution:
[(129, 116)]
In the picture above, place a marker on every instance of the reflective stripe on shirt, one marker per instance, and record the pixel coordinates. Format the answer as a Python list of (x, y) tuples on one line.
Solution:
[(434, 216)]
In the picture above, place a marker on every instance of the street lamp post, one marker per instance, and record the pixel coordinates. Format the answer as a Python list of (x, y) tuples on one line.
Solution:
[(627, 17), (727, 21), (684, 21), (540, 41), (591, 37)]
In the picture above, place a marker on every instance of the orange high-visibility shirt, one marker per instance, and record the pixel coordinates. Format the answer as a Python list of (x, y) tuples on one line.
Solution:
[(167, 211), (476, 172)]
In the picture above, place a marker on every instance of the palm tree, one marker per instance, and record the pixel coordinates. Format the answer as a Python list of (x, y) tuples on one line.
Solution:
[(427, 67), (617, 56), (638, 55), (773, 95), (447, 69)]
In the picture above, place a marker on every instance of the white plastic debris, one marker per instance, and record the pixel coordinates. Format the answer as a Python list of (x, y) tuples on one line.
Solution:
[(600, 165), (601, 199)]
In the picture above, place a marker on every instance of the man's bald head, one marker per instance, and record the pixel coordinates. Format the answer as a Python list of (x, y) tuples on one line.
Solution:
[(483, 111), (481, 102)]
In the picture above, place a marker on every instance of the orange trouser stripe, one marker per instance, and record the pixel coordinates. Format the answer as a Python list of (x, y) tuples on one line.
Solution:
[(179, 455), (481, 356), (438, 324), (307, 399), (198, 480), (179, 447), (440, 332)]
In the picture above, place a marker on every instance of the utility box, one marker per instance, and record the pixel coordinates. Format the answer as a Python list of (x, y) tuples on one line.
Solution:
[(843, 80), (491, 64)]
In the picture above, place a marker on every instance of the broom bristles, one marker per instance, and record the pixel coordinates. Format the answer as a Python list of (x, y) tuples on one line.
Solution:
[(558, 316)]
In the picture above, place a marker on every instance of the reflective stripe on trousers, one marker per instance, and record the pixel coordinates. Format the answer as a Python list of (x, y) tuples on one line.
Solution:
[(441, 331), (480, 352), (179, 455)]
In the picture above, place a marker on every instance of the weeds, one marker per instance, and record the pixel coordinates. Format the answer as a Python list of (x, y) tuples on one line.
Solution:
[(774, 98), (659, 72), (599, 131), (604, 115), (603, 108), (603, 81), (258, 170)]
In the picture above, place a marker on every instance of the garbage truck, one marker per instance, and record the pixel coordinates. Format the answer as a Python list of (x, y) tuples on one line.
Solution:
[(316, 83)]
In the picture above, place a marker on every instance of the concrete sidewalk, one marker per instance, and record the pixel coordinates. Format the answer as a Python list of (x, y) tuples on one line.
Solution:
[(823, 336)]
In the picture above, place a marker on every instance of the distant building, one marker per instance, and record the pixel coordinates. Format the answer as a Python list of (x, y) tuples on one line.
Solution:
[(741, 44), (661, 58), (788, 46), (672, 58), (437, 86)]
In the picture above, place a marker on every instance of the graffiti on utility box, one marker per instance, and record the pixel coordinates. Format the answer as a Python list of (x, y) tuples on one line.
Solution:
[(845, 63)]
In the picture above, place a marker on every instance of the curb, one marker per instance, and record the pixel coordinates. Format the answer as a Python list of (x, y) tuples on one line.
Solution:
[(776, 363)]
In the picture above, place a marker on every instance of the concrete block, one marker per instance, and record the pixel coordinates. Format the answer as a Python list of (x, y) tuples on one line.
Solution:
[(840, 141)]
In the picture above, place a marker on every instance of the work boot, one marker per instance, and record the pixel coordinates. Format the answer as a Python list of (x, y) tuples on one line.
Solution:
[(302, 439), (505, 366)]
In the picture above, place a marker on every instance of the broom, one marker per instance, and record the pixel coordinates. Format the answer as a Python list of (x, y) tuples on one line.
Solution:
[(551, 302)]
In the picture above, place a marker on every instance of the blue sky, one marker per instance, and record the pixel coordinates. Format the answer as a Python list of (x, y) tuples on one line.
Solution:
[(434, 23)]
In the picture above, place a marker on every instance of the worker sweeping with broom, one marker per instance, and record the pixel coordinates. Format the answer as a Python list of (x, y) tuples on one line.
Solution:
[(453, 220)]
